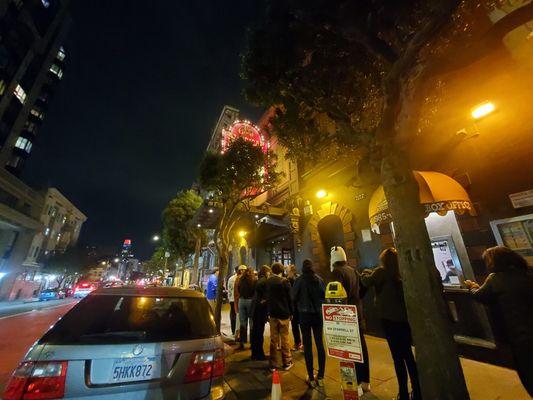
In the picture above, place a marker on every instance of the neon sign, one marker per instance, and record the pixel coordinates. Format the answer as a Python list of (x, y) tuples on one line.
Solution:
[(245, 130)]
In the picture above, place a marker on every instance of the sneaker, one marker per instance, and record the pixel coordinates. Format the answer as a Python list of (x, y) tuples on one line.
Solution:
[(311, 383), (288, 366), (320, 382)]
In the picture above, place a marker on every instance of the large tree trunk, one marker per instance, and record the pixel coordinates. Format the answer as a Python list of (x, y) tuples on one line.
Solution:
[(197, 250), (223, 259), (441, 375)]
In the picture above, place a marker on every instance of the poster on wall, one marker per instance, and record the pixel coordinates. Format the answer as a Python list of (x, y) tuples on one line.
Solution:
[(446, 261), (516, 233)]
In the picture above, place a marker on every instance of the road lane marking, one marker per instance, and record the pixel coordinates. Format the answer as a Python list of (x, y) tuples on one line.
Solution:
[(37, 309)]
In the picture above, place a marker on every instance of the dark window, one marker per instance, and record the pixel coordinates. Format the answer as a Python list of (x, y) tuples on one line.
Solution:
[(128, 319)]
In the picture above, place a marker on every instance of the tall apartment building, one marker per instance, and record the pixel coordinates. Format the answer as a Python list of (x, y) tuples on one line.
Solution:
[(32, 58)]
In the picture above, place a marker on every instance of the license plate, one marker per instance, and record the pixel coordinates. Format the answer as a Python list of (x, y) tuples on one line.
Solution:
[(134, 369)]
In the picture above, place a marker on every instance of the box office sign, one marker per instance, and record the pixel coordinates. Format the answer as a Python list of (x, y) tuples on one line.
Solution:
[(341, 331)]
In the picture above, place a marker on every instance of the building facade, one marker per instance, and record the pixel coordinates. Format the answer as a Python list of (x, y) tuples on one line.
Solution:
[(32, 59)]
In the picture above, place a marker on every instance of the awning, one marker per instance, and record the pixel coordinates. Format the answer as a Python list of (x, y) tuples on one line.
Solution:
[(438, 193)]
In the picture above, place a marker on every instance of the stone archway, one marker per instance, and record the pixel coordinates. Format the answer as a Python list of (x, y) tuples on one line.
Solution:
[(345, 215)]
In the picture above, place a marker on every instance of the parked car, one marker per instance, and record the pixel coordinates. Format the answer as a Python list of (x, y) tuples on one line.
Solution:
[(82, 289), (127, 343), (51, 294)]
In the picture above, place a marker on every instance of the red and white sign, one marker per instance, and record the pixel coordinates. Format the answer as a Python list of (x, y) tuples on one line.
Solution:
[(341, 330)]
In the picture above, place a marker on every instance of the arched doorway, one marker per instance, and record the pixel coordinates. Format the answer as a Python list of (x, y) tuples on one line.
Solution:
[(330, 232)]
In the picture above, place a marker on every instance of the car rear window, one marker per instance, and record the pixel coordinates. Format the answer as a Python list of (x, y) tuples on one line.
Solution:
[(129, 319)]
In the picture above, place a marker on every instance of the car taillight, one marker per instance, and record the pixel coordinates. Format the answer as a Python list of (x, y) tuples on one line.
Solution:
[(37, 380), (204, 366)]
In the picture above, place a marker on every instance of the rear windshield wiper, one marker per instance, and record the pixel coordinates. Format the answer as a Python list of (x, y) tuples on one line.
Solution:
[(117, 334)]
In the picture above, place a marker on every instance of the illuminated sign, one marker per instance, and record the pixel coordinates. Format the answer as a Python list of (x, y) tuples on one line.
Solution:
[(245, 130)]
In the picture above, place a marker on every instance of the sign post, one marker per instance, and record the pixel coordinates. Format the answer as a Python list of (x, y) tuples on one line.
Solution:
[(341, 332)]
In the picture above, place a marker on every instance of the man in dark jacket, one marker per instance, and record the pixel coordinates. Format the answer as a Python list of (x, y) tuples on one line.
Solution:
[(278, 296), (349, 279)]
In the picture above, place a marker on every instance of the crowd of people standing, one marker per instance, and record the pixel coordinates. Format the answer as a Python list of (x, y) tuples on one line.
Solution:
[(292, 302)]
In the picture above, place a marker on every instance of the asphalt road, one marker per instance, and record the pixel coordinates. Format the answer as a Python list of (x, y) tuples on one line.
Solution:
[(18, 332)]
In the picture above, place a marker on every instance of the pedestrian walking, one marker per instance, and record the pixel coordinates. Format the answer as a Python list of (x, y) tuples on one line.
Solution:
[(259, 314), (390, 304), (211, 291), (292, 274), (349, 279), (308, 294), (246, 285), (279, 305), (508, 291)]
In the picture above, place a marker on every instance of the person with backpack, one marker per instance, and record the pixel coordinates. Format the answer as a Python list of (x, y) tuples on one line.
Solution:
[(308, 293), (259, 314), (390, 303)]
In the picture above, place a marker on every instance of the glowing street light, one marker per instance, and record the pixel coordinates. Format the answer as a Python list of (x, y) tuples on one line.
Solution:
[(156, 238), (116, 260), (242, 234), (482, 110), (321, 194)]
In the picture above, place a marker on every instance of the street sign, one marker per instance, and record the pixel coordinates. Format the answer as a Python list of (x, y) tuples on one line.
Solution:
[(341, 331), (167, 254)]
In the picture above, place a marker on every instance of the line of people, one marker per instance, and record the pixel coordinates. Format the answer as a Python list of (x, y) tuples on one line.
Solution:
[(283, 299)]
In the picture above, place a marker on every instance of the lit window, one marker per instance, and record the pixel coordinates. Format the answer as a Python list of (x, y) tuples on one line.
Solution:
[(61, 54), (46, 231), (21, 143), (24, 144), (36, 113), (20, 94), (56, 71)]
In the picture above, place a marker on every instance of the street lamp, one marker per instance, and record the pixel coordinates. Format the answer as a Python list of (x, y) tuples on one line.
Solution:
[(242, 234), (156, 238), (482, 110), (116, 260), (321, 194)]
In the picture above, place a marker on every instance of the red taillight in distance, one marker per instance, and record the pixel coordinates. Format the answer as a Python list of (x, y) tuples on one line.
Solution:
[(205, 366), (37, 380)]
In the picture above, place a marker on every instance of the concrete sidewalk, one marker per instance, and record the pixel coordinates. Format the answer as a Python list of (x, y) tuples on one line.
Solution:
[(252, 380)]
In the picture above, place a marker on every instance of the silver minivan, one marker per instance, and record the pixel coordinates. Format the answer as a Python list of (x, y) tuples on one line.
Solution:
[(127, 343)]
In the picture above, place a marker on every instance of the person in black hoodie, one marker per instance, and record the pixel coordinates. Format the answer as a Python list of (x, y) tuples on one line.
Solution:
[(308, 294), (279, 304), (259, 314)]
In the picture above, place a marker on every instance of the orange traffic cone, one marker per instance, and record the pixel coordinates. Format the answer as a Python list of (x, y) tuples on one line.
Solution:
[(276, 387)]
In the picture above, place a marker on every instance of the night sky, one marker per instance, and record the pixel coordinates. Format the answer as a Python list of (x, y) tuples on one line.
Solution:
[(143, 87)]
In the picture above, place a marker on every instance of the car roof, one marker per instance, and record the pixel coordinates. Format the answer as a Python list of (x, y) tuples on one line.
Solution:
[(163, 291)]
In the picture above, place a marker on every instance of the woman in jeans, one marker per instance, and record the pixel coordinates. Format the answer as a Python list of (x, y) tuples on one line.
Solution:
[(246, 286), (308, 295), (390, 303)]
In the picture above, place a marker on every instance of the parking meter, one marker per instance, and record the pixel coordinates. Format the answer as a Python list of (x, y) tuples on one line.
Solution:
[(336, 294)]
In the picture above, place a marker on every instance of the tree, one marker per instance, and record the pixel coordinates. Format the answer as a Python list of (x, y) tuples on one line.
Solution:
[(180, 235), (234, 178), (355, 76), (73, 260)]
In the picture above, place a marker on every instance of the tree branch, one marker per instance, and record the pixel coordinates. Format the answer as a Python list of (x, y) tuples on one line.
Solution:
[(466, 55)]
